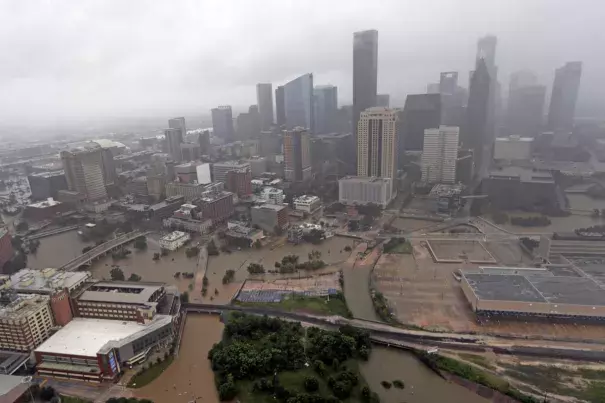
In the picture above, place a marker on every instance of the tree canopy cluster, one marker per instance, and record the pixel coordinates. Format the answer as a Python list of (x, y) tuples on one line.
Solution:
[(259, 348)]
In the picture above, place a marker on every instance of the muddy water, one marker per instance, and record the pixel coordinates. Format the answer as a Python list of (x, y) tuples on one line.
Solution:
[(421, 384), (56, 250), (190, 375)]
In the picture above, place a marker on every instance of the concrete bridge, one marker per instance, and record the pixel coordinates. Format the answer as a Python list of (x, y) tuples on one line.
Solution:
[(50, 232), (101, 250)]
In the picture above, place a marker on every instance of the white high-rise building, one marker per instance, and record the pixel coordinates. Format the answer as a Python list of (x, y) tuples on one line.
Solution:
[(439, 154), (377, 143)]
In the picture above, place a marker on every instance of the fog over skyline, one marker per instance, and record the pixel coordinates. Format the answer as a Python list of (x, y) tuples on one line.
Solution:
[(88, 59)]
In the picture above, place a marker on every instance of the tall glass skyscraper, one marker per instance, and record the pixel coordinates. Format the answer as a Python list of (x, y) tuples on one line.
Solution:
[(365, 71), (564, 96), (326, 107), (298, 102)]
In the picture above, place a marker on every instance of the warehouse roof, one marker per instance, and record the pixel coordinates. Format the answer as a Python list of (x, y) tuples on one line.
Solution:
[(85, 337)]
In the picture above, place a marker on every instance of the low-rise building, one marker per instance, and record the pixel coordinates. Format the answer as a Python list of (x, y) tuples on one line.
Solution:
[(96, 350), (363, 190), (512, 188), (513, 148), (190, 191), (186, 173), (25, 320), (216, 205), (45, 209), (47, 184), (174, 240), (188, 224), (270, 217), (445, 199), (273, 195), (136, 301), (239, 182), (307, 204), (166, 208), (295, 234), (57, 284), (220, 169), (156, 186), (239, 230)]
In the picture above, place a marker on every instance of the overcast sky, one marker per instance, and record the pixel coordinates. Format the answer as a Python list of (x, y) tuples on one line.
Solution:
[(66, 59)]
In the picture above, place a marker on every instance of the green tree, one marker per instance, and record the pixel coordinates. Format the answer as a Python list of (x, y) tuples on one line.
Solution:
[(86, 249), (140, 243), (134, 277), (156, 256), (117, 274), (185, 297), (311, 384), (256, 268), (227, 390), (257, 244)]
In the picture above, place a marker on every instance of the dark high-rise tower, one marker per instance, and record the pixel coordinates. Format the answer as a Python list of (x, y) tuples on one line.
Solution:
[(280, 106), (564, 96), (421, 111), (222, 123), (325, 103), (475, 135), (486, 50), (448, 82), (525, 105), (365, 73), (264, 100), (298, 102)]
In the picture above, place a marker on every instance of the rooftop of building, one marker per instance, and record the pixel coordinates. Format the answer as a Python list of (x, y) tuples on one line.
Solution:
[(125, 292), (49, 174), (306, 199), (12, 388), (232, 164), (190, 185), (209, 197), (45, 280), (513, 138), (365, 179), (272, 190), (329, 136), (14, 306), (444, 190), (173, 236), (85, 337), (268, 206), (523, 173), (546, 285), (50, 202)]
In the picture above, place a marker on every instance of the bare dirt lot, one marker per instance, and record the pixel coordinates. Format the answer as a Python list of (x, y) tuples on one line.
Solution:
[(424, 293)]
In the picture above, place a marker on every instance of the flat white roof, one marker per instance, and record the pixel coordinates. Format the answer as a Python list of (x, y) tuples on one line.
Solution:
[(173, 236), (85, 337)]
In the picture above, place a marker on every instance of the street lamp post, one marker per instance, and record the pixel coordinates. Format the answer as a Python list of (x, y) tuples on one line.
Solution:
[(28, 380)]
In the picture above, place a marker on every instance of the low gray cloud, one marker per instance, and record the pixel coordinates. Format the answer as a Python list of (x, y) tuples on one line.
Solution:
[(64, 58)]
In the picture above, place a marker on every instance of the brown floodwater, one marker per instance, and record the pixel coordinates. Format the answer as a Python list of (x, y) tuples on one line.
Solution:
[(57, 250), (421, 384), (189, 377)]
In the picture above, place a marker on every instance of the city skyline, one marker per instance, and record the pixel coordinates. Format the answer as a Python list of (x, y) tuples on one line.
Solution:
[(100, 79)]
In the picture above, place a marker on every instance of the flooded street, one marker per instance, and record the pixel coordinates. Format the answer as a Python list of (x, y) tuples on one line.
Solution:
[(190, 375), (566, 224), (421, 384), (57, 250)]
